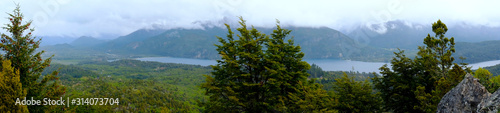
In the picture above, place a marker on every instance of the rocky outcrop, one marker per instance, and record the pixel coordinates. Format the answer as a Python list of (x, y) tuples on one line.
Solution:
[(465, 97), (491, 104)]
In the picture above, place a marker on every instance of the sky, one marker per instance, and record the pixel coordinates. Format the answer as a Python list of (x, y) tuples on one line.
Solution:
[(113, 18)]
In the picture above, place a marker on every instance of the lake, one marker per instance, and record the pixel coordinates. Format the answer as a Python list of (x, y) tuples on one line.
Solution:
[(325, 64)]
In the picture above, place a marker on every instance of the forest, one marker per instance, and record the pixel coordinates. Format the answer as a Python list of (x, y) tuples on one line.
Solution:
[(256, 72)]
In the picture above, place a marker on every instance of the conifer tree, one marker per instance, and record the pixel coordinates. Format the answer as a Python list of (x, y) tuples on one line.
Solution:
[(251, 78), (20, 47), (12, 89)]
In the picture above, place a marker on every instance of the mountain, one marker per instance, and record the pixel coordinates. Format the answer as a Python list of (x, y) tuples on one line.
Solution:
[(405, 35), (187, 43), (392, 34), (319, 42), (363, 44), (72, 53), (478, 51), (85, 41), (135, 36), (494, 70), (53, 40)]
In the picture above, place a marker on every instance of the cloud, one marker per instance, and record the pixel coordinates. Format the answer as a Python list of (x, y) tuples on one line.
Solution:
[(101, 18)]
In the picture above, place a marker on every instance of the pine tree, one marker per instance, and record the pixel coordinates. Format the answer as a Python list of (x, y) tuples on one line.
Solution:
[(397, 85), (20, 47), (12, 89), (316, 71), (252, 79)]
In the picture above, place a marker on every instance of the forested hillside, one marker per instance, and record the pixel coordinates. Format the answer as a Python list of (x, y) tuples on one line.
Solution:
[(257, 69), (320, 42), (478, 52), (141, 86), (316, 43), (495, 70)]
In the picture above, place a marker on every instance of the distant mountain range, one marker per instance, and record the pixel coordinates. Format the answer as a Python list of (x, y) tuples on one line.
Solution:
[(199, 43), (362, 44), (86, 41), (405, 35)]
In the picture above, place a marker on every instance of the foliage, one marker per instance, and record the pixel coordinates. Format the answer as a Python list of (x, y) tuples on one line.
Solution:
[(486, 79), (20, 49), (250, 78), (140, 86), (330, 76), (495, 80), (67, 72), (12, 89), (494, 70), (316, 71), (355, 96), (417, 85)]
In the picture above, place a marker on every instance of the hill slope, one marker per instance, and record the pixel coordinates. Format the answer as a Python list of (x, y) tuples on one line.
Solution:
[(85, 41), (320, 42), (405, 35)]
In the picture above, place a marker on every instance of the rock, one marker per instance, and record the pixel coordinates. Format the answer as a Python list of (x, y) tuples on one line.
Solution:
[(464, 98), (491, 104)]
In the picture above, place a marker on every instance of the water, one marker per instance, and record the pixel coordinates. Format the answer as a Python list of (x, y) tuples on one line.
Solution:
[(484, 64), (191, 61), (325, 64), (346, 65)]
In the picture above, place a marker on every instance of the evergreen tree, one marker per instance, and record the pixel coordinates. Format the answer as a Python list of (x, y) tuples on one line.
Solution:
[(11, 89), (397, 86), (439, 48), (20, 48), (355, 96), (417, 85), (252, 79)]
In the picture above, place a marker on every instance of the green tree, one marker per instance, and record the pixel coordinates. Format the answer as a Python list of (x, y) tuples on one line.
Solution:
[(11, 89), (495, 81), (397, 86), (251, 78), (355, 96), (417, 85), (20, 48), (439, 49), (316, 71), (486, 79)]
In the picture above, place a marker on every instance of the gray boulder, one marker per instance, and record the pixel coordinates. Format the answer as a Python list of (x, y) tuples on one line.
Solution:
[(464, 98), (491, 104)]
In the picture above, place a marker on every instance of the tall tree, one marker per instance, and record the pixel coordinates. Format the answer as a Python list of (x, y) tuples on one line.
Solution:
[(20, 48), (397, 85), (250, 78), (440, 48), (12, 89), (417, 85)]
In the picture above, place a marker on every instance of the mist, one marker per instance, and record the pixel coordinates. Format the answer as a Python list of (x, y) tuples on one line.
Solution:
[(109, 19)]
